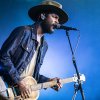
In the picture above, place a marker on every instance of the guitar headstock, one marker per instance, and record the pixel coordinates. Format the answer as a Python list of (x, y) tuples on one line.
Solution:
[(82, 78)]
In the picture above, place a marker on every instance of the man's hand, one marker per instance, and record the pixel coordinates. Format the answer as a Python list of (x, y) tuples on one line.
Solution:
[(58, 86), (24, 89)]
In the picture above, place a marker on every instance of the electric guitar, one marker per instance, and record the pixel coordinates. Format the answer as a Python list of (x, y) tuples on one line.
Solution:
[(14, 94)]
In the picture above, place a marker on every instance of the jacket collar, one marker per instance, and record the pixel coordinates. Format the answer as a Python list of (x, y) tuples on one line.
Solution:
[(34, 31)]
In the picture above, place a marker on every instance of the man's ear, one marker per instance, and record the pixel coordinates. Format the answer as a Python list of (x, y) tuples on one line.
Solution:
[(43, 16)]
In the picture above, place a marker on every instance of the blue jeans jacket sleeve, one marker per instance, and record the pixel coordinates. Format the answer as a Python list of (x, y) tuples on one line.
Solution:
[(43, 79), (7, 50)]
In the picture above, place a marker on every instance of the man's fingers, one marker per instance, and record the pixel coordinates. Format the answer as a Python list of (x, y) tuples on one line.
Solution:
[(22, 95), (59, 85), (25, 94), (29, 90)]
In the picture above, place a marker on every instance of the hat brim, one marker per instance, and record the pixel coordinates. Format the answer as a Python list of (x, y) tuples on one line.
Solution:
[(36, 10)]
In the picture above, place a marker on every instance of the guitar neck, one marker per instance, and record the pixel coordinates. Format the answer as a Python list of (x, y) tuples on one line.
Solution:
[(50, 84), (67, 80)]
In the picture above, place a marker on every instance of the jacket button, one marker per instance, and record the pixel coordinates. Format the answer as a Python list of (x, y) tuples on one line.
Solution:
[(34, 51), (27, 48), (28, 59), (21, 70)]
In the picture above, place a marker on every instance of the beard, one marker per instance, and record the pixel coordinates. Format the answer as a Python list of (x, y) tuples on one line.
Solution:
[(47, 27)]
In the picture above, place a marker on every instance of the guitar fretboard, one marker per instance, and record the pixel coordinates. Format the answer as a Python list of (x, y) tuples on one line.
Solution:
[(50, 84)]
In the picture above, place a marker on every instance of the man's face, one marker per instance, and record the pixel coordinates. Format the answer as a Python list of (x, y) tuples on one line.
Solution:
[(49, 22)]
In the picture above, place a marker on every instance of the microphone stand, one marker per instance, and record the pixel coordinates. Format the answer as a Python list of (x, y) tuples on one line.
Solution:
[(75, 65)]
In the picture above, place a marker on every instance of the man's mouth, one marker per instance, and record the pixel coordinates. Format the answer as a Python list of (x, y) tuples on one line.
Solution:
[(53, 26)]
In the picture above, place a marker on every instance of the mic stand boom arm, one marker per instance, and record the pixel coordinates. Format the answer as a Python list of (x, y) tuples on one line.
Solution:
[(75, 65)]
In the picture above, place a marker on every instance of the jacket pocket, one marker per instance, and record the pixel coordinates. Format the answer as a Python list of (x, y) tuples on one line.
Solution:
[(27, 47)]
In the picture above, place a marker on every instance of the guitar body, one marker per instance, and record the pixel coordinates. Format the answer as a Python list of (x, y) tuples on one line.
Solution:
[(29, 81)]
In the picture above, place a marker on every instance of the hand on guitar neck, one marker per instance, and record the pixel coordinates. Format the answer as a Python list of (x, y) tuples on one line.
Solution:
[(24, 90), (58, 86)]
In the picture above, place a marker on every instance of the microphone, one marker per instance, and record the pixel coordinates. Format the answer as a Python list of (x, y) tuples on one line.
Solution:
[(58, 26)]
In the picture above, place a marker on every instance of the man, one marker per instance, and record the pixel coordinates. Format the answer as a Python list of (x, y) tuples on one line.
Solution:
[(23, 52)]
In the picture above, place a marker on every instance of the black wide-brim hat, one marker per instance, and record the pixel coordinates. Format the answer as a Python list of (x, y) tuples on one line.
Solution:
[(46, 7)]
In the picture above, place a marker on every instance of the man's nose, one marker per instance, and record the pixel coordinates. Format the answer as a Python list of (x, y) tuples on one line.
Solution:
[(57, 21)]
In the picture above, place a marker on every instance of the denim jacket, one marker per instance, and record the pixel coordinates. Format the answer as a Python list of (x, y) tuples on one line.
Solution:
[(18, 50)]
